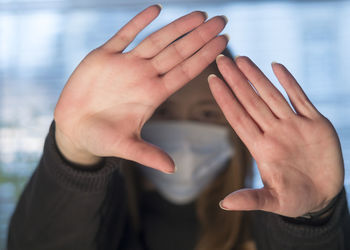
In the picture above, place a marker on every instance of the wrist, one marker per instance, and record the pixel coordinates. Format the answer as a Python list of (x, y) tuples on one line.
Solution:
[(324, 212), (71, 153)]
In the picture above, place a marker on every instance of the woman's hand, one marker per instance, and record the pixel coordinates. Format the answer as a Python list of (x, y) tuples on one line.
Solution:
[(111, 94), (297, 152)]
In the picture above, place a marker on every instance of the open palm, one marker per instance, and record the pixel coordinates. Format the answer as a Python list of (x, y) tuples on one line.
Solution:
[(297, 151), (111, 94)]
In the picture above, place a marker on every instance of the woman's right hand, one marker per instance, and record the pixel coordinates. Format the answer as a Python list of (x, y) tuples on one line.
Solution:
[(111, 94)]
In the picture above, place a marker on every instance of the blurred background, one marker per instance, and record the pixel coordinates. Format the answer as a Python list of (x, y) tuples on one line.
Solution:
[(42, 41)]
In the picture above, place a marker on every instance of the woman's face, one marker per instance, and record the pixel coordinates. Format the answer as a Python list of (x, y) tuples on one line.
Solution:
[(193, 102), (183, 127)]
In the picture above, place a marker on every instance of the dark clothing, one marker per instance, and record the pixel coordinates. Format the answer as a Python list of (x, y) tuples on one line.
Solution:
[(64, 207)]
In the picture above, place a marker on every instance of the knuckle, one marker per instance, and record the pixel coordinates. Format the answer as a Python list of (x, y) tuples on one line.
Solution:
[(178, 51), (156, 42), (185, 72), (176, 26), (254, 103), (303, 101), (201, 36), (274, 98), (236, 119), (125, 39)]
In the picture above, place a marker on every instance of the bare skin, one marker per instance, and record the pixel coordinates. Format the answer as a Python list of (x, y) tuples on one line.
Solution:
[(111, 94), (298, 153), (192, 102)]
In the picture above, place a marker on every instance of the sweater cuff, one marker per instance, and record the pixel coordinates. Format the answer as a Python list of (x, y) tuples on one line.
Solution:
[(70, 175), (285, 229)]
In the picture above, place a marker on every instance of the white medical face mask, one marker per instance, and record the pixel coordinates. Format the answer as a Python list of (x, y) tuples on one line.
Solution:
[(200, 151)]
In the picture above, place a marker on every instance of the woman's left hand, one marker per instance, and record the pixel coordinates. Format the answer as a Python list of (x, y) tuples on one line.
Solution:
[(297, 151)]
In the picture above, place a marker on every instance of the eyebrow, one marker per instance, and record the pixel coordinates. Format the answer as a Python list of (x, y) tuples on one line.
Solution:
[(209, 104), (203, 102), (167, 102)]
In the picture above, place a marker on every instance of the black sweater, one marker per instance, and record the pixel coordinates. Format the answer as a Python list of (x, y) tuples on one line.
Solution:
[(63, 207)]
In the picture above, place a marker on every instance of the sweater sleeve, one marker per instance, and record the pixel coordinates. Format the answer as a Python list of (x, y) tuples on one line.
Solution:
[(275, 232), (63, 207)]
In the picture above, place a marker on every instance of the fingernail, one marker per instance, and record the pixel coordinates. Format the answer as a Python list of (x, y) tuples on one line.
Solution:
[(219, 56), (205, 14), (169, 172), (211, 76), (274, 63), (227, 36), (236, 57), (221, 206), (225, 18), (172, 171), (160, 6)]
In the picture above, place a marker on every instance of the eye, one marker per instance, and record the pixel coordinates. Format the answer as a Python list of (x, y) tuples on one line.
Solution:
[(207, 113), (162, 112), (210, 114)]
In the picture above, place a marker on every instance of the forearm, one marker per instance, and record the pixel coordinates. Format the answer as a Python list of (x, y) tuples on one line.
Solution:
[(61, 206)]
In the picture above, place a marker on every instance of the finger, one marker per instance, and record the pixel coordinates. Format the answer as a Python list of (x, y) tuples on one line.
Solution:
[(267, 91), (297, 97), (235, 114), (246, 95), (194, 65), (186, 46), (250, 199), (160, 39), (127, 34), (148, 155)]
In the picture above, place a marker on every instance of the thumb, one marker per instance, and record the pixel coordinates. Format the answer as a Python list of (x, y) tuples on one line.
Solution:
[(149, 155), (250, 199)]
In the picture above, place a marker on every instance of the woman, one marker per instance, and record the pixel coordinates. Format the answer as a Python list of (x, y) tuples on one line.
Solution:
[(86, 195)]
